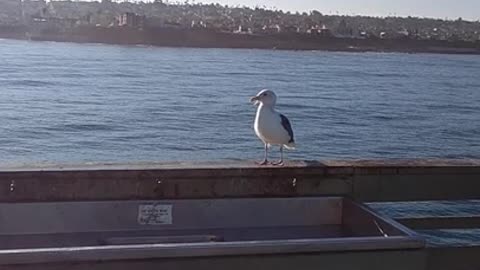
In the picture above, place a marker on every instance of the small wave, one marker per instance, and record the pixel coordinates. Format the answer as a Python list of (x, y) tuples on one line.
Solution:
[(384, 117), (461, 133), (80, 102), (30, 83), (299, 107), (81, 127), (71, 75), (124, 75), (454, 108)]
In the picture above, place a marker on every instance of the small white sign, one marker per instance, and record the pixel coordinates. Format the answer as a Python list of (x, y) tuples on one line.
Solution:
[(155, 214)]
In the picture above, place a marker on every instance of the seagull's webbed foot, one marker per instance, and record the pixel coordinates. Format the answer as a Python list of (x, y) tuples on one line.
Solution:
[(278, 163), (262, 163)]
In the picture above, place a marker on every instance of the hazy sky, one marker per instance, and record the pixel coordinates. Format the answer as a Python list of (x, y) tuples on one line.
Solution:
[(467, 9)]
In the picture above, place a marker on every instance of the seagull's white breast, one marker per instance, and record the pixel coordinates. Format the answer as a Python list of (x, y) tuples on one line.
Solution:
[(268, 126)]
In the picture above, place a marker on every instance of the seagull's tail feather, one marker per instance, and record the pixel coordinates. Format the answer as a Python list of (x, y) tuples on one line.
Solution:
[(290, 146)]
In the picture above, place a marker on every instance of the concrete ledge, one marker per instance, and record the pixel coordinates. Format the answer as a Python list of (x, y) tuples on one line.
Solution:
[(363, 180), (242, 164)]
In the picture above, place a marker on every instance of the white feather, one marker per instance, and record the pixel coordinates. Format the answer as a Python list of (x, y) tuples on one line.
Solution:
[(268, 127)]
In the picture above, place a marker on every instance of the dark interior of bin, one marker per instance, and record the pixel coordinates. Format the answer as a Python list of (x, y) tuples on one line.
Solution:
[(354, 221)]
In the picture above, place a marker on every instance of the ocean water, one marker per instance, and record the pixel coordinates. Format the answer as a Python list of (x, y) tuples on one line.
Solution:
[(72, 103)]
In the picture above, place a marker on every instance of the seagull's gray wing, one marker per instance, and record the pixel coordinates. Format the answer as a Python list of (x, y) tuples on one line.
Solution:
[(286, 125)]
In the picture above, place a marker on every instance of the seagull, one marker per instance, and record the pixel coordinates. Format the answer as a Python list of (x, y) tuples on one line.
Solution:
[(272, 127)]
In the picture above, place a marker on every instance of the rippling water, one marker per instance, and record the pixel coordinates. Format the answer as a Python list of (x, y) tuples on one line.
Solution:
[(67, 103)]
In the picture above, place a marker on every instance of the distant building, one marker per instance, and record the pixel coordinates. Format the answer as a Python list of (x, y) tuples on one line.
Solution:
[(200, 24), (314, 30), (271, 29), (362, 34), (31, 9), (52, 23), (320, 31), (402, 34), (130, 19), (10, 11), (243, 30)]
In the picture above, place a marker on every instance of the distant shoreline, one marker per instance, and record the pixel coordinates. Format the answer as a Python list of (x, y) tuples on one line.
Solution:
[(202, 38)]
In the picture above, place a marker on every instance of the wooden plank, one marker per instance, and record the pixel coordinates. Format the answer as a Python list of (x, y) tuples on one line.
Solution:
[(433, 223)]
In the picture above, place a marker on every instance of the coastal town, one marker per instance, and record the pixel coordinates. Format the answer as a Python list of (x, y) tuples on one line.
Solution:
[(257, 20), (42, 17)]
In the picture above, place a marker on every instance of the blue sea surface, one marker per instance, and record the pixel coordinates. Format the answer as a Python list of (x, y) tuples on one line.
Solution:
[(73, 103)]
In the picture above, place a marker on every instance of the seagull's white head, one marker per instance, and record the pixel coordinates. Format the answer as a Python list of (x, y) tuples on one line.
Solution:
[(265, 97)]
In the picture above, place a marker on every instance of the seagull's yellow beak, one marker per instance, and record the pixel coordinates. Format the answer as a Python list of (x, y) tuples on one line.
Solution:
[(255, 100)]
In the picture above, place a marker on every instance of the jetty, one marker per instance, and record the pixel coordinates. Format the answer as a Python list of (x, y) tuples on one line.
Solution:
[(237, 215)]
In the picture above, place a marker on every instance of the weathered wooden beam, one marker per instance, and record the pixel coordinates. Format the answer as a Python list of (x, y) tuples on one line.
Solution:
[(391, 180)]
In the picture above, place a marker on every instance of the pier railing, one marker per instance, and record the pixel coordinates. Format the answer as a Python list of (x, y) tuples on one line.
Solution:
[(364, 181)]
